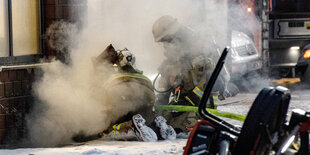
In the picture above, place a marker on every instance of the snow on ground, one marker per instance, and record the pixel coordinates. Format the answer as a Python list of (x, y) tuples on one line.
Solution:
[(104, 147), (100, 147), (239, 104)]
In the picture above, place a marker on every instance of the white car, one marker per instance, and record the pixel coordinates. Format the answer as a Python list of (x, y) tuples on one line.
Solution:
[(246, 61), (245, 57)]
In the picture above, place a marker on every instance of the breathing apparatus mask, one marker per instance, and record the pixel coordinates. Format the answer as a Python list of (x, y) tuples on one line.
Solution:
[(125, 57), (173, 46)]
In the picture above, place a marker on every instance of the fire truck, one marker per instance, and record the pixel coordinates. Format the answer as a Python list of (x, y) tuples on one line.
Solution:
[(283, 35), (289, 34)]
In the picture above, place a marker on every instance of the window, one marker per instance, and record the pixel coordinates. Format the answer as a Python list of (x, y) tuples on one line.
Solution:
[(19, 29), (291, 5), (25, 27)]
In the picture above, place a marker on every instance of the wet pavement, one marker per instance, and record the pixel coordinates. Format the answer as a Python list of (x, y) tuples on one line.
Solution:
[(241, 103)]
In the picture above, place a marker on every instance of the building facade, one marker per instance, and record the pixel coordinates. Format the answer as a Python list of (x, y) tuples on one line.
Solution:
[(23, 44)]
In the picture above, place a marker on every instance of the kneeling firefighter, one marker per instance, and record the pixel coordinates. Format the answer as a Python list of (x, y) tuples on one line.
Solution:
[(132, 96), (183, 73)]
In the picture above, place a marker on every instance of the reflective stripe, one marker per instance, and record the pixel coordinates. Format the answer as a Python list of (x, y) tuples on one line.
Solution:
[(131, 75), (189, 100), (116, 127), (139, 76), (194, 78), (198, 92)]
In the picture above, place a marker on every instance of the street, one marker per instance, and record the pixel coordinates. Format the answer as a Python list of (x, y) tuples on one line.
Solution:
[(76, 68), (240, 104)]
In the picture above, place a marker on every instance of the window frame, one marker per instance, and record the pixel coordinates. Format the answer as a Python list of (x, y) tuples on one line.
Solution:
[(24, 59)]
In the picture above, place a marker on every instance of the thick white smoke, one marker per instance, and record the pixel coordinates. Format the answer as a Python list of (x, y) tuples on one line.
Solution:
[(70, 98), (60, 35)]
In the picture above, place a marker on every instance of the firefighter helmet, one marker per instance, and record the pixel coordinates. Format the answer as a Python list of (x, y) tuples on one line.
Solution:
[(125, 57), (165, 25)]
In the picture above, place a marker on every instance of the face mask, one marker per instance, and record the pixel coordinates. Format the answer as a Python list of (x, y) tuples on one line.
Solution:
[(171, 47), (173, 50)]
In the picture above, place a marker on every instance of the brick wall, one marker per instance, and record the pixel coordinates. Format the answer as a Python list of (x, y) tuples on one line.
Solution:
[(15, 99), (15, 84), (68, 10)]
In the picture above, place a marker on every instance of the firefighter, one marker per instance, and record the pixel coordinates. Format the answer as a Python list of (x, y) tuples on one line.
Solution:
[(128, 89), (184, 72)]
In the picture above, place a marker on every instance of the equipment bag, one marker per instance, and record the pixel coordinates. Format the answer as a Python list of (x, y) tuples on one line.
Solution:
[(264, 123)]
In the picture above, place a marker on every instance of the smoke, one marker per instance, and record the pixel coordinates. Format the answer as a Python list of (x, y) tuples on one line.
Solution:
[(71, 99), (75, 99), (61, 34)]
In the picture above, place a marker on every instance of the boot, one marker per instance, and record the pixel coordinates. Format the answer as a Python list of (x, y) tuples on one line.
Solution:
[(166, 131), (142, 131)]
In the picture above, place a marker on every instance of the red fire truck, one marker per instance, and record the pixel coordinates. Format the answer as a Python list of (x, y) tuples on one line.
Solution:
[(283, 37)]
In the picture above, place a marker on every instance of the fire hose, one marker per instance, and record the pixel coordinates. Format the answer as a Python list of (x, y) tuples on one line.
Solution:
[(182, 108)]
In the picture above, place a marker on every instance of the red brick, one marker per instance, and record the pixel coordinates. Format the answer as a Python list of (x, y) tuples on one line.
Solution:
[(2, 121), (29, 103), (21, 107), (50, 12), (72, 1), (13, 135), (9, 120), (18, 119), (17, 88), (1, 90), (72, 12), (2, 135), (4, 107), (67, 11), (27, 74), (25, 88), (21, 75), (48, 2), (48, 22), (18, 104), (4, 76), (6, 121), (59, 12), (51, 54), (32, 78), (12, 75), (64, 1), (8, 89), (49, 51)]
